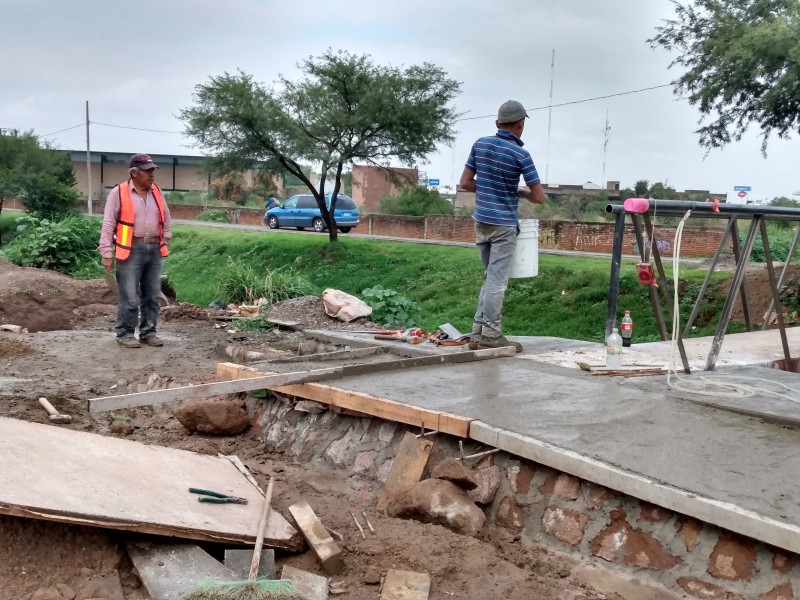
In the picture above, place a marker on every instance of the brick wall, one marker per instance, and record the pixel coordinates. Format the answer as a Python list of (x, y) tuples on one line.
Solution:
[(556, 510)]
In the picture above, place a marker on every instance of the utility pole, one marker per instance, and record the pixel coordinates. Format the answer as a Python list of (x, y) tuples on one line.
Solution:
[(88, 163), (606, 136), (550, 117)]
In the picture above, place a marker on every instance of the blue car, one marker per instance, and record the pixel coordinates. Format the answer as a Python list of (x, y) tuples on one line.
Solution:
[(301, 211)]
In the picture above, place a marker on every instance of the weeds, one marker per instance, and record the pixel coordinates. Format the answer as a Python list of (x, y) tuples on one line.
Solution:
[(241, 282), (390, 308), (213, 216)]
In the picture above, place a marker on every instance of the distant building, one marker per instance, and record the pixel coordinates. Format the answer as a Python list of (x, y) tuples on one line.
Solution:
[(370, 184), (180, 173)]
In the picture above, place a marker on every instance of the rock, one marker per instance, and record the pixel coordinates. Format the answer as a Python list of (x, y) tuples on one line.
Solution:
[(488, 483), (439, 502), (121, 428), (108, 587), (48, 593), (213, 415), (372, 576), (66, 592), (452, 470)]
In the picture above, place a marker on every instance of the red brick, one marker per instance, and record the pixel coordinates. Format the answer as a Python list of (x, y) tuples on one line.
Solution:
[(690, 532), (510, 515), (706, 591), (653, 513), (733, 558), (561, 484), (486, 462), (782, 592), (565, 524), (621, 543), (781, 561), (595, 495)]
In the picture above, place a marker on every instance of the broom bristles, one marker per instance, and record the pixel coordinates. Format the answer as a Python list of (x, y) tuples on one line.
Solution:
[(259, 589)]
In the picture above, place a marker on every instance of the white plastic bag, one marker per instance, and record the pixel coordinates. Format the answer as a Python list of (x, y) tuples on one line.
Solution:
[(344, 307)]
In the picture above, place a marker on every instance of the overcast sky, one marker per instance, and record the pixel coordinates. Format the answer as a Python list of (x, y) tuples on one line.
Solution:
[(138, 63)]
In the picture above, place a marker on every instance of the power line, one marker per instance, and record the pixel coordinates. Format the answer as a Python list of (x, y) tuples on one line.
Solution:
[(135, 128), (63, 130), (647, 89)]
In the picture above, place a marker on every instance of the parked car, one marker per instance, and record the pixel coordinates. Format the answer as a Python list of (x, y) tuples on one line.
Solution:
[(301, 211)]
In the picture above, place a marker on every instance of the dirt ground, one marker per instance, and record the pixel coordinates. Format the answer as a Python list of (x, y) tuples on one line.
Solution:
[(70, 355)]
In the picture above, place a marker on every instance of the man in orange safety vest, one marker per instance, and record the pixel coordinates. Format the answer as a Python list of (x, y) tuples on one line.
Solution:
[(135, 233)]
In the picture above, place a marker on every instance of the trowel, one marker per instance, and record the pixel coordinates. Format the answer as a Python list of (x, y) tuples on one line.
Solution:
[(111, 282)]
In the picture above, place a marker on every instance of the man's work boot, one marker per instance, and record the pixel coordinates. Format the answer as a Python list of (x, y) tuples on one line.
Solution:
[(153, 340), (496, 342), (128, 342)]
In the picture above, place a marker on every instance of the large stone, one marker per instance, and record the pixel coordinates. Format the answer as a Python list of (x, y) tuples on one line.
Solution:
[(783, 592), (690, 533), (510, 514), (595, 495), (452, 470), (48, 593), (561, 484), (733, 558), (439, 502), (706, 591), (488, 483), (213, 415), (621, 543), (520, 477), (565, 524)]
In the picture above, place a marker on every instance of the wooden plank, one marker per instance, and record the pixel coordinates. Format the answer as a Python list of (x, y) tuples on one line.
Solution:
[(308, 585), (368, 404), (407, 467), (208, 389), (318, 538), (170, 571), (75, 477), (406, 585), (323, 356)]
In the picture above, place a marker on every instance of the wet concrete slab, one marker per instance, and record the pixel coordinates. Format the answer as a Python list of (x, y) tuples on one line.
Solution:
[(631, 434)]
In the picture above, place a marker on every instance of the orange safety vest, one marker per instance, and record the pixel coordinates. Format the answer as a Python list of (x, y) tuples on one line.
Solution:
[(124, 237)]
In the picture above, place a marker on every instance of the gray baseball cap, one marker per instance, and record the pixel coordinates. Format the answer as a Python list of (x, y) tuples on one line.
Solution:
[(142, 161), (511, 111)]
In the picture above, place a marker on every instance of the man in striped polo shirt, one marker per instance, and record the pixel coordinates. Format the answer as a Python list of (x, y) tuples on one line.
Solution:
[(493, 171)]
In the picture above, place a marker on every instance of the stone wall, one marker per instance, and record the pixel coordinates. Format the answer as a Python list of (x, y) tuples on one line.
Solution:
[(554, 509)]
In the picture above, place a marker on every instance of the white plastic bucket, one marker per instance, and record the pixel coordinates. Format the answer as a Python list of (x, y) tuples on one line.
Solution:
[(526, 255)]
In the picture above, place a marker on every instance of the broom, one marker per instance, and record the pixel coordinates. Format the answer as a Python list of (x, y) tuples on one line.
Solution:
[(252, 588)]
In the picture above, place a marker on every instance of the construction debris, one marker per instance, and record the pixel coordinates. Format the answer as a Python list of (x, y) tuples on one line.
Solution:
[(406, 585), (361, 529), (55, 416), (307, 585), (407, 467), (329, 554)]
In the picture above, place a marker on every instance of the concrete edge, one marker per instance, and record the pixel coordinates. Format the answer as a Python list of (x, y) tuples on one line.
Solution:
[(723, 514)]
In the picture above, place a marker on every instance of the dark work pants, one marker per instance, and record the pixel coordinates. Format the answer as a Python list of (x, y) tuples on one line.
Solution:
[(139, 281)]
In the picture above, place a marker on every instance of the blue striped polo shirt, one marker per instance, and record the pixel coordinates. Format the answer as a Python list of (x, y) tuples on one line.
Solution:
[(498, 161)]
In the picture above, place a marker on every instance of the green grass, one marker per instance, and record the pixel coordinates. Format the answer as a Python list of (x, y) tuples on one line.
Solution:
[(568, 298)]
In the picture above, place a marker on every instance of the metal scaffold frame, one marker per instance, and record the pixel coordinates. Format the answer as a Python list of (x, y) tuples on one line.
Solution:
[(756, 214)]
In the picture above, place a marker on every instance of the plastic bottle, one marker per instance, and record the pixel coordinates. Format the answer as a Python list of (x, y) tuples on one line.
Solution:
[(614, 350), (626, 329)]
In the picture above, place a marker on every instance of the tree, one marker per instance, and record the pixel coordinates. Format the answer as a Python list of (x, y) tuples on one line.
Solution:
[(417, 202), (641, 188), (343, 109), (741, 61), (36, 174)]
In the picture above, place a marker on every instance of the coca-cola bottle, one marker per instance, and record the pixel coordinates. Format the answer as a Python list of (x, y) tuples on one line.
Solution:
[(626, 327)]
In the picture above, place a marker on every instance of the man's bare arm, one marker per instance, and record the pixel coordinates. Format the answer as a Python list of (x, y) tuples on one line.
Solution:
[(467, 181), (534, 193)]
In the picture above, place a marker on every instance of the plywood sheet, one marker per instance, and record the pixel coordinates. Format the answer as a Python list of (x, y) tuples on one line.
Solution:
[(58, 474)]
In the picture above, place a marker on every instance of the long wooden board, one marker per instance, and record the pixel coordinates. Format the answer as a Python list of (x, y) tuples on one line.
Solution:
[(407, 467), (368, 404), (59, 474)]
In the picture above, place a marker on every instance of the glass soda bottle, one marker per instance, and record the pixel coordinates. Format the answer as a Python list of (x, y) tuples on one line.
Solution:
[(614, 350), (626, 326)]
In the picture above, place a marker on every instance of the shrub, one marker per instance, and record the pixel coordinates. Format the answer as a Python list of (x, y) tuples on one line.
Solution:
[(418, 202), (242, 283), (390, 308), (62, 245), (213, 216)]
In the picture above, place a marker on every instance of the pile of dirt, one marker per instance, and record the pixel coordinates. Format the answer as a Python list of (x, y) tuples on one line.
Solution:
[(759, 291), (43, 300), (308, 312), (183, 311), (11, 345)]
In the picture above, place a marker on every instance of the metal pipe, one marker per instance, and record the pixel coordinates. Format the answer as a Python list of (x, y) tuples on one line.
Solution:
[(613, 286), (730, 300), (785, 270), (707, 280), (775, 296), (679, 208), (737, 254)]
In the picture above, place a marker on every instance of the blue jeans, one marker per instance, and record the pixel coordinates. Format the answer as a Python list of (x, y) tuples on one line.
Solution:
[(139, 282), (496, 244)]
